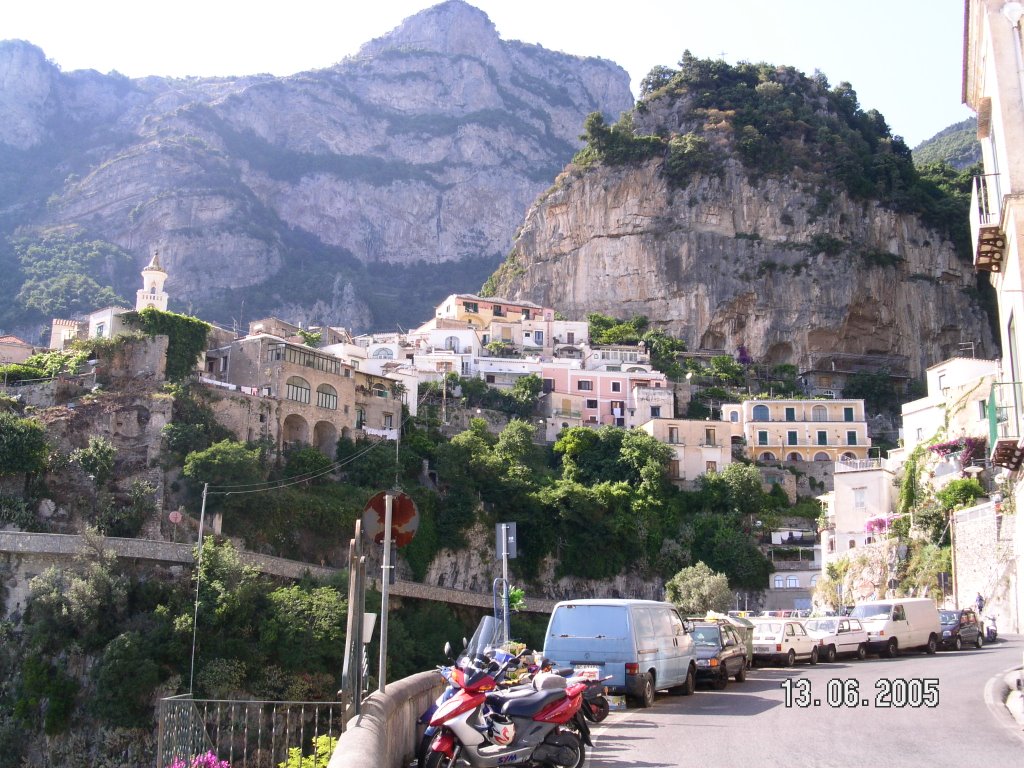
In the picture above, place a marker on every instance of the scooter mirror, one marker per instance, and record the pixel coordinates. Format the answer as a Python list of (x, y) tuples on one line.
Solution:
[(448, 649)]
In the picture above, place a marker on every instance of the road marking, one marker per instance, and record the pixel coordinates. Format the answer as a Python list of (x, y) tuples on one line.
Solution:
[(997, 707)]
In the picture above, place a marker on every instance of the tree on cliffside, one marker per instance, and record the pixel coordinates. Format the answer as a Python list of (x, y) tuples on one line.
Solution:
[(23, 446)]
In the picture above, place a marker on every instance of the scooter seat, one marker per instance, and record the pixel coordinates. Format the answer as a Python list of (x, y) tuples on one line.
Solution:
[(497, 699), (527, 706)]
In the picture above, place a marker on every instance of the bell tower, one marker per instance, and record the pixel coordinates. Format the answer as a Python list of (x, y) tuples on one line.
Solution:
[(152, 293)]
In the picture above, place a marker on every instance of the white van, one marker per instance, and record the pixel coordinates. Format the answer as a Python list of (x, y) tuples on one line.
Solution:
[(642, 644), (900, 623)]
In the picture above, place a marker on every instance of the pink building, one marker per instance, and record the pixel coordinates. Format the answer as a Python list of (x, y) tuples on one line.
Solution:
[(598, 397)]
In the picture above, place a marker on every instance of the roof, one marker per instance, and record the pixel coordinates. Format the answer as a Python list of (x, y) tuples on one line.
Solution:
[(154, 264), (13, 340), (498, 300)]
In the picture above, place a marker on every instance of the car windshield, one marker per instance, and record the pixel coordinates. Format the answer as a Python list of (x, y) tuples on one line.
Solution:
[(707, 636), (768, 629), (821, 625), (949, 617), (872, 611)]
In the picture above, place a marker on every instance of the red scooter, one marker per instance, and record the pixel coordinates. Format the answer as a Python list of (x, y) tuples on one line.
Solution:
[(484, 727)]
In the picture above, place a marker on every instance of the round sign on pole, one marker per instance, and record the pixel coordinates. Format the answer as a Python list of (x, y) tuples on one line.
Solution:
[(175, 517), (405, 518)]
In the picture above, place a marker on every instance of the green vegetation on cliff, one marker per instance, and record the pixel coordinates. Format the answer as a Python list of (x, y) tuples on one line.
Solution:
[(777, 122)]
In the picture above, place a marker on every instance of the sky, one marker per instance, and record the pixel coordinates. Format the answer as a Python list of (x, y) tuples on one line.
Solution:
[(903, 57)]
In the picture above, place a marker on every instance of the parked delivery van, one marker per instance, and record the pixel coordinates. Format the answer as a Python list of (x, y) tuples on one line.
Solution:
[(642, 644), (898, 624)]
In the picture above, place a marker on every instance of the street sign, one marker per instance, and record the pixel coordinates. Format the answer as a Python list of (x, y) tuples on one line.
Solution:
[(505, 536), (405, 518)]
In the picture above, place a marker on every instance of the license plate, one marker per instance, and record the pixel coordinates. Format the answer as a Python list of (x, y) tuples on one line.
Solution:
[(586, 672), (762, 649)]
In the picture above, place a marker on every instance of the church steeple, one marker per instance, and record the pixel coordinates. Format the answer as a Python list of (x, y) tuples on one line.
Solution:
[(152, 293)]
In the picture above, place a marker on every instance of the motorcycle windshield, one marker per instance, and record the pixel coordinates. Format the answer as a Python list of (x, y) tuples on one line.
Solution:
[(486, 639)]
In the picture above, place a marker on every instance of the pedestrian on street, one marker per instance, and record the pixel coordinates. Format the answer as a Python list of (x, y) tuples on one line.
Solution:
[(979, 601)]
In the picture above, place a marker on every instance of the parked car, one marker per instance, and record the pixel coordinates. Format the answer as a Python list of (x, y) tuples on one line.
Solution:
[(838, 636), (721, 653), (642, 644), (960, 628), (783, 641), (898, 624)]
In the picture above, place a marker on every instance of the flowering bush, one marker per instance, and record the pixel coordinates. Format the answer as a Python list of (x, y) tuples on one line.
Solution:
[(967, 447), (205, 760)]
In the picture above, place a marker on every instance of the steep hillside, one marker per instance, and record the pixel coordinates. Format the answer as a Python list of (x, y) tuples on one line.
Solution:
[(753, 206), (357, 195), (957, 145)]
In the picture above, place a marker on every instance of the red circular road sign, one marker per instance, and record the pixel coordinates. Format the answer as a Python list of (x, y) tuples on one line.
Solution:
[(405, 518)]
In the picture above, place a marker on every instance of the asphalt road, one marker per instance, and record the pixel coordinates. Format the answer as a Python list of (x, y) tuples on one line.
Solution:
[(751, 724)]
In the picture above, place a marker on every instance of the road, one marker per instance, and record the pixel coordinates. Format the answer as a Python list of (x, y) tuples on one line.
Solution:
[(750, 724)]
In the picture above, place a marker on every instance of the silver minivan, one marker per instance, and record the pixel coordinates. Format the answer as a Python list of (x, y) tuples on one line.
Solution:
[(643, 645)]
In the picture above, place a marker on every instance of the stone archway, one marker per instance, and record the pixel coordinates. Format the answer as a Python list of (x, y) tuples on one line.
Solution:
[(325, 438), (294, 430)]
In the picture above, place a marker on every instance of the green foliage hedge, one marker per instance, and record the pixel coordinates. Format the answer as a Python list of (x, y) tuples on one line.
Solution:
[(186, 337)]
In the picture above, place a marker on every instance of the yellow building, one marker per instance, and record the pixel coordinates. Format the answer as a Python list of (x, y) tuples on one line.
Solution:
[(800, 430), (698, 447)]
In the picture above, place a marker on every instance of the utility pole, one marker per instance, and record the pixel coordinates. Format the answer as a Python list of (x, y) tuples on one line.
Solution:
[(389, 500), (199, 566)]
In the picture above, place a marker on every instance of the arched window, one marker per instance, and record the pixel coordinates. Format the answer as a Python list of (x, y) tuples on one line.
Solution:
[(794, 457), (734, 416), (814, 580), (760, 413), (383, 353), (792, 582), (327, 397), (853, 544), (821, 456), (778, 582), (379, 390), (767, 456), (297, 389), (819, 413), (452, 342), (849, 456)]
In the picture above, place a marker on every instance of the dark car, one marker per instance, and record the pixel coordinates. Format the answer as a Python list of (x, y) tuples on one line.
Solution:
[(721, 653), (960, 628)]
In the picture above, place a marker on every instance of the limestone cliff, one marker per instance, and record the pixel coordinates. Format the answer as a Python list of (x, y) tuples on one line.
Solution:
[(788, 264), (363, 192)]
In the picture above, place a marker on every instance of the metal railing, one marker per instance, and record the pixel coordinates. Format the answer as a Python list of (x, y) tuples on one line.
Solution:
[(248, 734), (985, 215), (853, 465)]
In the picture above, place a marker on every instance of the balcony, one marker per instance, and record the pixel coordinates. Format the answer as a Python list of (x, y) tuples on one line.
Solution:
[(857, 465), (561, 413), (1005, 402), (985, 215)]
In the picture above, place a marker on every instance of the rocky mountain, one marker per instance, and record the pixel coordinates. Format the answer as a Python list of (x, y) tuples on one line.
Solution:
[(755, 207), (356, 195)]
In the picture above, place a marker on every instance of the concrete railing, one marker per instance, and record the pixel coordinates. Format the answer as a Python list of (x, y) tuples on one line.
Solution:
[(385, 734)]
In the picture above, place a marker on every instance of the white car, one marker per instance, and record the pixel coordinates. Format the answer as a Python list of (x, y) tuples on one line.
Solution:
[(783, 641), (838, 636)]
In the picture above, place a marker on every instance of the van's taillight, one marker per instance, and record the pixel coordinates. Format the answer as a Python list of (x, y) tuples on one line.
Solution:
[(632, 669), (778, 647)]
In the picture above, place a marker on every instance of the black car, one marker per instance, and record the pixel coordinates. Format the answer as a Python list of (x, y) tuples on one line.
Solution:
[(960, 628), (721, 653)]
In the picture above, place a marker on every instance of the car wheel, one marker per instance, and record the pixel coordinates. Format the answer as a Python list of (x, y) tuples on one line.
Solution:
[(741, 673), (958, 643), (830, 655), (647, 691), (892, 648), (691, 682), (791, 658), (814, 655), (979, 641), (933, 644), (721, 681), (862, 651)]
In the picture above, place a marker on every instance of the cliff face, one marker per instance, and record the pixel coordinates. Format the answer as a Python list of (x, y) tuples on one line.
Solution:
[(423, 149), (725, 262)]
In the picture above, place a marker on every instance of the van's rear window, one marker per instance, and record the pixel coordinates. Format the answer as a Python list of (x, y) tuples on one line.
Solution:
[(588, 621)]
